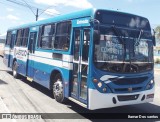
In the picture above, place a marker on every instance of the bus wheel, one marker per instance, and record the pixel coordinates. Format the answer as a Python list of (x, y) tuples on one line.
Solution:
[(14, 70), (58, 92)]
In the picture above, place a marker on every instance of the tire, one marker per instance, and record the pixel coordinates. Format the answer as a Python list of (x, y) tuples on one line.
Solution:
[(58, 91), (14, 70)]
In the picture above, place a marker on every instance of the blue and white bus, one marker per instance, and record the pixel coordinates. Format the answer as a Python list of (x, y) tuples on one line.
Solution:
[(96, 58)]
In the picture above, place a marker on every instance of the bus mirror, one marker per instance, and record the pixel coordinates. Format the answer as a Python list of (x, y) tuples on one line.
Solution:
[(96, 36), (154, 40)]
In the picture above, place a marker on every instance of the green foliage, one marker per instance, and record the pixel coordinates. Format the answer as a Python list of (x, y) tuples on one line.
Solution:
[(157, 35), (157, 29)]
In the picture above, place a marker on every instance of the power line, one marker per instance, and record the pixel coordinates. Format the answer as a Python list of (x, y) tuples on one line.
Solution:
[(25, 4), (29, 7)]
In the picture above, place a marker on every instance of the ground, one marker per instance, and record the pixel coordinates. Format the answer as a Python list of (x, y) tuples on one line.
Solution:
[(22, 96)]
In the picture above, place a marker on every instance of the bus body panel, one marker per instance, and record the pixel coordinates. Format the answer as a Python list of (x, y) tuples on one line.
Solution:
[(20, 54), (99, 100), (39, 64)]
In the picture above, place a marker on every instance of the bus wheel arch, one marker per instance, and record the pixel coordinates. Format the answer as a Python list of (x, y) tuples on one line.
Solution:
[(56, 85)]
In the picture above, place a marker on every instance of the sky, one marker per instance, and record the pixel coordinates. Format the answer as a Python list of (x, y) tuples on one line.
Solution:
[(12, 14)]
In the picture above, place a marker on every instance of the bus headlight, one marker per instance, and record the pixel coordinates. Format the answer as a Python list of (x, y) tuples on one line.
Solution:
[(150, 85), (100, 86)]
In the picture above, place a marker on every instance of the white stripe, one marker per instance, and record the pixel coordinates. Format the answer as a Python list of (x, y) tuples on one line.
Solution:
[(52, 62), (68, 58), (43, 54)]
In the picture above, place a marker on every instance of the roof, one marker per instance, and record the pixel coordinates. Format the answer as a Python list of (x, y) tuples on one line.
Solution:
[(70, 16), (79, 14)]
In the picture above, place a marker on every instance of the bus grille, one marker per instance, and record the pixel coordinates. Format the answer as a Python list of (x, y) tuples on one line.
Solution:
[(127, 97), (128, 81), (126, 89)]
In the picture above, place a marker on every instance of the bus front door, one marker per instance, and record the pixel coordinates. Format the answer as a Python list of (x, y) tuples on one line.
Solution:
[(30, 62), (80, 64)]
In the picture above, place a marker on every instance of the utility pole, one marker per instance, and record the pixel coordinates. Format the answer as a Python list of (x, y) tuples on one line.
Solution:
[(37, 15)]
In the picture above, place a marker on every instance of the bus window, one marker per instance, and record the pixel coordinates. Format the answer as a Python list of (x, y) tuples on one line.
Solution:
[(62, 40), (25, 37), (86, 45), (47, 36), (19, 37), (77, 43), (13, 37), (8, 40)]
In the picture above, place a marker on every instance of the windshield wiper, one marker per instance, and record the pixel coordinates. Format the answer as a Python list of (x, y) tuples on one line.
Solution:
[(118, 33), (139, 37), (122, 40)]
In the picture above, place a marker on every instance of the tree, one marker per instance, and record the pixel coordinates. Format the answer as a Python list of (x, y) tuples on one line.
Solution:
[(157, 32), (157, 29)]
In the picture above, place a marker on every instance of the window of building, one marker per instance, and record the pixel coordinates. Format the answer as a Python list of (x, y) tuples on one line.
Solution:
[(47, 36), (62, 39)]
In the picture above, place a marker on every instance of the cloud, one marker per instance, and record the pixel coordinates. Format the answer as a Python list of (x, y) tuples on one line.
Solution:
[(10, 9), (52, 12), (2, 18), (12, 17), (41, 18), (74, 3)]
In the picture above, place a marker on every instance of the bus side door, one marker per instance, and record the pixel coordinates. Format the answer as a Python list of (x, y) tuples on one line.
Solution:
[(31, 51), (80, 64)]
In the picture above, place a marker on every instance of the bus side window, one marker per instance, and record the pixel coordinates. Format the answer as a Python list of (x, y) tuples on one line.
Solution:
[(47, 36), (62, 40), (19, 36), (86, 41), (13, 37), (8, 40), (25, 37)]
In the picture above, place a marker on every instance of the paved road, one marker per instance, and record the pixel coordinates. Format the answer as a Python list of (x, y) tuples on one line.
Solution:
[(22, 96)]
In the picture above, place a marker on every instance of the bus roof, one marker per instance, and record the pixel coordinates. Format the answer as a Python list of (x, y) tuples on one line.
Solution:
[(74, 15), (70, 16)]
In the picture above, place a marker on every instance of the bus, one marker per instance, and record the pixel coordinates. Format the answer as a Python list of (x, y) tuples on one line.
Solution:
[(96, 58)]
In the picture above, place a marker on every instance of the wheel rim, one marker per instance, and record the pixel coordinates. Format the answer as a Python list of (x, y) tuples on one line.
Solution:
[(58, 89), (14, 70)]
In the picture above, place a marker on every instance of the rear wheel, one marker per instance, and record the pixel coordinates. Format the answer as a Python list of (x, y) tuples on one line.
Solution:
[(58, 91), (14, 70)]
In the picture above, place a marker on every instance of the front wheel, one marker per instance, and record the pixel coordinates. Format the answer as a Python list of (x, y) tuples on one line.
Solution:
[(58, 91)]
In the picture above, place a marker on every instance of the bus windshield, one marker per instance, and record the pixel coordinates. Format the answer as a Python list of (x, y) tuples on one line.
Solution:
[(117, 51)]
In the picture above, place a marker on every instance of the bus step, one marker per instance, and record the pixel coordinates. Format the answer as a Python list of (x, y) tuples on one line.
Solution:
[(78, 102), (29, 79)]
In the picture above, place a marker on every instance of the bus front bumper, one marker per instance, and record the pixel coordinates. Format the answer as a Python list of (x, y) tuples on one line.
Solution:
[(99, 100)]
